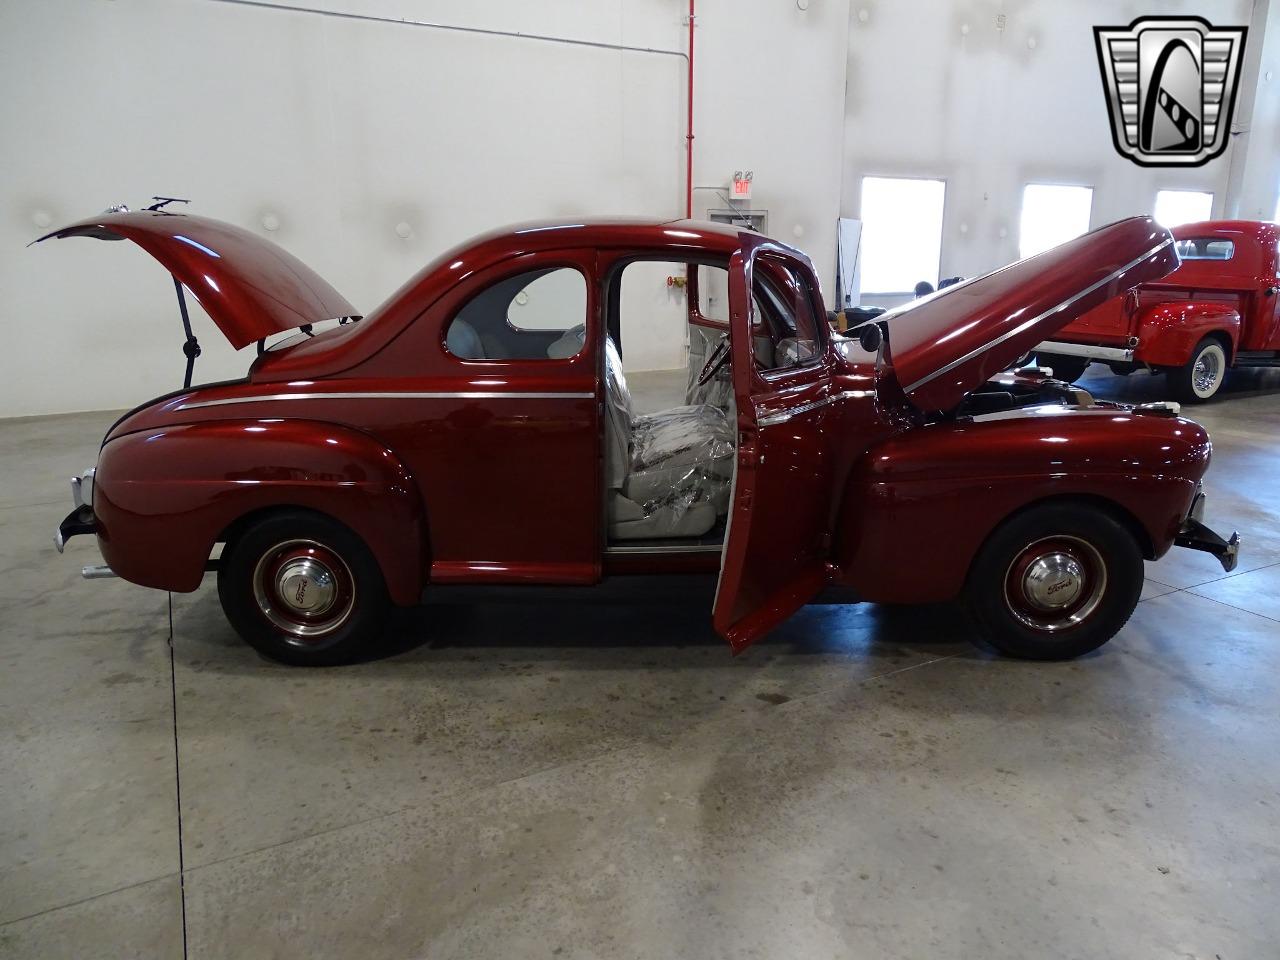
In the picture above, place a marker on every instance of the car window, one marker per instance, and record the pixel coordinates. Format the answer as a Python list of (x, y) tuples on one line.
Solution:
[(784, 304), (713, 295), (1205, 248), (537, 315)]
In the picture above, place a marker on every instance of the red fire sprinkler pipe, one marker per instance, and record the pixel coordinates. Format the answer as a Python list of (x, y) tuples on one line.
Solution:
[(688, 175)]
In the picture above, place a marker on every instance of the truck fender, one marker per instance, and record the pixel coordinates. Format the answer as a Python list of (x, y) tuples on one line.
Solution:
[(163, 497), (1169, 332)]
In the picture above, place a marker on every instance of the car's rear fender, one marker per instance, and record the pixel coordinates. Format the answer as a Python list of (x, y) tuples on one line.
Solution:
[(918, 506), (163, 497), (1169, 332)]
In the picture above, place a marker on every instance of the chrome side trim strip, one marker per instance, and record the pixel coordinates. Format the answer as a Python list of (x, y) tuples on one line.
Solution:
[(1028, 324), (1048, 410), (679, 548), (458, 395), (782, 416), (1086, 350)]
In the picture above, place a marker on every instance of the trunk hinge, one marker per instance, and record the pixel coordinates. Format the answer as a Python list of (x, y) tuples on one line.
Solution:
[(191, 347)]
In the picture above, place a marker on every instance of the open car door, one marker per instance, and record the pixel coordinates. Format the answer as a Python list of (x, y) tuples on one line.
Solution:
[(775, 552)]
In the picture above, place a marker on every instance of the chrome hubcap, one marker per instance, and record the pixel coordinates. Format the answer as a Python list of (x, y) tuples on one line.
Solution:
[(1055, 583), (304, 589), (306, 586), (1207, 371)]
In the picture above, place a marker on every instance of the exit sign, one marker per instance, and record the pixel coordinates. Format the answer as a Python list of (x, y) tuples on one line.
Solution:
[(741, 189)]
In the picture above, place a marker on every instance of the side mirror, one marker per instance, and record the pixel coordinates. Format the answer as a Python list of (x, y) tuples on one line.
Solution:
[(870, 337)]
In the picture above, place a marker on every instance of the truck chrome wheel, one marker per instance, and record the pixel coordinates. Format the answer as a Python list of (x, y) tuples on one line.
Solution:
[(1201, 377), (1207, 372), (304, 589), (1055, 583)]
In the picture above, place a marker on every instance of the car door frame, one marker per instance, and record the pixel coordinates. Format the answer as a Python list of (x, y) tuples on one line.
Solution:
[(472, 431), (786, 459)]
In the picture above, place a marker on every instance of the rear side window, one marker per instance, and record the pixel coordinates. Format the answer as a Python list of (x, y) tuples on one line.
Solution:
[(1205, 248), (538, 315)]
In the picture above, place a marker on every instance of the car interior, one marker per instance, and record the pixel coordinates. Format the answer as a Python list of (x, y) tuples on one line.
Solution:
[(668, 472)]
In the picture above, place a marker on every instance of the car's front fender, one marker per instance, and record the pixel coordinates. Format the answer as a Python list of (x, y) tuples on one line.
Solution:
[(919, 505), (164, 496)]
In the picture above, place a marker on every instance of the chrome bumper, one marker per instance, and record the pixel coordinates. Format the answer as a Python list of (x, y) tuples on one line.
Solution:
[(81, 521), (1196, 536), (1114, 354)]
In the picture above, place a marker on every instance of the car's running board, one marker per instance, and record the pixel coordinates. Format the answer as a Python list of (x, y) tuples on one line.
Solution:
[(1197, 536), (97, 571), (624, 588)]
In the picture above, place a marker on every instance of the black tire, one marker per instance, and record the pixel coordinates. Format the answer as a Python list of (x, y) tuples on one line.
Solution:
[(1200, 378), (1067, 369), (1080, 549), (302, 589)]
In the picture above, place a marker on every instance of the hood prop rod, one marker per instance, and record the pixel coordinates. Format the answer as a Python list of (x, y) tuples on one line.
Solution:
[(191, 347)]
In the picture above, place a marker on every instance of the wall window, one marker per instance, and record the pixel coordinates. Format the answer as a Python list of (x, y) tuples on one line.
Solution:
[(537, 315), (1174, 207), (1052, 214), (901, 233)]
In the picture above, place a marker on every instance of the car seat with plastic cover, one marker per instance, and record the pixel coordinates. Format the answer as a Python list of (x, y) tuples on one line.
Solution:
[(667, 473)]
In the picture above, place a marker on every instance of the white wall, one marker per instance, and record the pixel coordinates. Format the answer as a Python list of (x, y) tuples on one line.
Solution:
[(343, 129), (769, 94), (988, 112), (1255, 153)]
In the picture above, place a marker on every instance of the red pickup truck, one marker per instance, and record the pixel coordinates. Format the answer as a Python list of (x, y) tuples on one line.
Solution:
[(1217, 310)]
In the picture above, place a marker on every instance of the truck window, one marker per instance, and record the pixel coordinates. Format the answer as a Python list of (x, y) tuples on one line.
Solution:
[(1205, 248)]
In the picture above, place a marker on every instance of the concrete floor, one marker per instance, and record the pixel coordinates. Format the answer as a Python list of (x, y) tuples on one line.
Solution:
[(602, 782)]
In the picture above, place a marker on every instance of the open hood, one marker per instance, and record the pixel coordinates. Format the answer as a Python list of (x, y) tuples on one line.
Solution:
[(950, 343), (250, 287)]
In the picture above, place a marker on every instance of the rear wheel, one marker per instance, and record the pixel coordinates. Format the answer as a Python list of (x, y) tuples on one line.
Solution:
[(303, 589), (1199, 379), (1055, 582), (1068, 369)]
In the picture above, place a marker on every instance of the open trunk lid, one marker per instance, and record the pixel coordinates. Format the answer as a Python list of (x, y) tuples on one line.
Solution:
[(250, 287), (950, 343)]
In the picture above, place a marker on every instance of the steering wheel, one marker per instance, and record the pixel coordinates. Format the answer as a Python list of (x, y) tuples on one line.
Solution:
[(719, 357)]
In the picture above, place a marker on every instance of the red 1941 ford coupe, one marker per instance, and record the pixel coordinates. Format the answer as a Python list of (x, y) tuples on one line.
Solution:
[(476, 430)]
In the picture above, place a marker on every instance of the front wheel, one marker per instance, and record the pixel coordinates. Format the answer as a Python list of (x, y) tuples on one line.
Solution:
[(1199, 379), (1055, 582), (303, 589)]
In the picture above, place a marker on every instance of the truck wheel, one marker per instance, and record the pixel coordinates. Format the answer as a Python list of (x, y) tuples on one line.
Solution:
[(1067, 369), (303, 589), (1198, 380), (1055, 582)]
